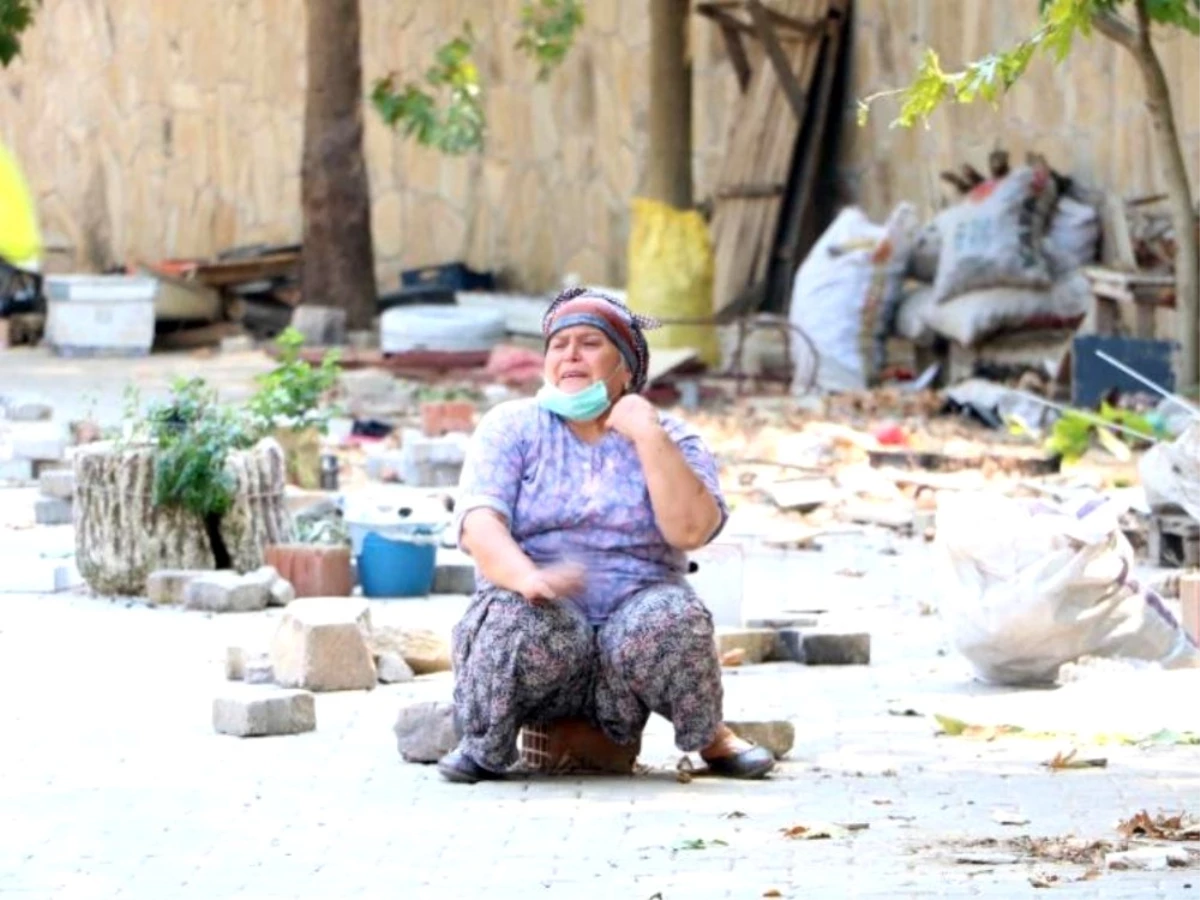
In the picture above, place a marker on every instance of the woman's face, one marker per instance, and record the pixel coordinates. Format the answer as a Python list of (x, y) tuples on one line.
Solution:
[(580, 355)]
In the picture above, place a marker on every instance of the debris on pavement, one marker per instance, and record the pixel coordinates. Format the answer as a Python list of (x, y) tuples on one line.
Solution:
[(1176, 827)]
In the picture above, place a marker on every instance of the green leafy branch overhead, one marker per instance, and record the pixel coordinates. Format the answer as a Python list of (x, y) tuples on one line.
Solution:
[(15, 18), (445, 112), (991, 77)]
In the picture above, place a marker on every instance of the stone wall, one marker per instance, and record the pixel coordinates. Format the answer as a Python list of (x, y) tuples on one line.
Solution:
[(151, 129), (1087, 115)]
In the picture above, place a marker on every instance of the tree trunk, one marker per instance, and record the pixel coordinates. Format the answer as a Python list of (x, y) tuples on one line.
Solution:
[(1137, 40), (669, 170), (338, 267), (121, 537)]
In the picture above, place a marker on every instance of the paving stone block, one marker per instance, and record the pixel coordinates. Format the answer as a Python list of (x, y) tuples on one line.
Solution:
[(393, 669), (239, 659), (58, 483), (166, 587), (52, 511), (224, 592), (321, 645), (30, 411), (252, 711), (756, 643), (282, 593), (425, 651), (454, 578), (837, 649), (39, 441), (778, 736), (425, 732), (18, 470)]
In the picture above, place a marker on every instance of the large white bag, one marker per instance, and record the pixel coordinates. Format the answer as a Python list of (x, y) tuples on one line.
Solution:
[(973, 317), (842, 294), (1026, 586)]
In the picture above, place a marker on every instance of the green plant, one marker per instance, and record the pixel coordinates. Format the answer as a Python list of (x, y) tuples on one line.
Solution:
[(1072, 434), (194, 435), (455, 128), (15, 18), (548, 29), (291, 394)]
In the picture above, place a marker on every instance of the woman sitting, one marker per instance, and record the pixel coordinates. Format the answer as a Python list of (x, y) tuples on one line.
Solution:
[(577, 507)]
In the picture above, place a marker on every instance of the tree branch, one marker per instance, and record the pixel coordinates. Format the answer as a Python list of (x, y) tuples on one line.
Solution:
[(1117, 28)]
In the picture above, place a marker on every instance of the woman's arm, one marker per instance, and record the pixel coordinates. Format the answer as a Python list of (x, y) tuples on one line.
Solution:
[(685, 509), (487, 538)]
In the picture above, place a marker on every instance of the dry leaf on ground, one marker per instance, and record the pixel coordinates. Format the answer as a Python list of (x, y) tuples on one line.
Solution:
[(772, 893), (822, 831), (1072, 761), (1179, 827), (958, 728)]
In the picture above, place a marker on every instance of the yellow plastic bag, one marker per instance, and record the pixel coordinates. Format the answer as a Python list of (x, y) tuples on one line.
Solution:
[(20, 241), (671, 276)]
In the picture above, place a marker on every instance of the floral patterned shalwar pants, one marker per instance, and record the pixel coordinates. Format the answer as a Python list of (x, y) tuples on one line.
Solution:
[(518, 664)]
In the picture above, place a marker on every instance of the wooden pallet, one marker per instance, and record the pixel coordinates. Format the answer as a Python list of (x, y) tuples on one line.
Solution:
[(1173, 541)]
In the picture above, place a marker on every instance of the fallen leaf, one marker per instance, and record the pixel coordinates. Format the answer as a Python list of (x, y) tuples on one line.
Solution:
[(1071, 761), (700, 844), (1009, 817), (958, 728), (1043, 880), (772, 893), (1180, 827), (822, 831)]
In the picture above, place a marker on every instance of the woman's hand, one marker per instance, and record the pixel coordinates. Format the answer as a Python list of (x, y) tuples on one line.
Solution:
[(556, 582), (634, 417)]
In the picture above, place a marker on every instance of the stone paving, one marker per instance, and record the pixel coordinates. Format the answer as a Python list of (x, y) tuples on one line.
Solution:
[(113, 784)]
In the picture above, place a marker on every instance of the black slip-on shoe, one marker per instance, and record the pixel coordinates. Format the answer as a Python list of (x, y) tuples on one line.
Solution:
[(459, 768), (748, 764)]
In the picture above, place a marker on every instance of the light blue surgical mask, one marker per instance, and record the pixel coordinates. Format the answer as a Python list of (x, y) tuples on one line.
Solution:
[(581, 406)]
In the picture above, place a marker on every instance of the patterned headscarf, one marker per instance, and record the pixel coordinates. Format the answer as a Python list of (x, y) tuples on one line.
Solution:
[(585, 306)]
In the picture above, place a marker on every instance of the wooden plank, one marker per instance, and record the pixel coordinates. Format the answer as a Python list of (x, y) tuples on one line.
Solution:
[(237, 271), (737, 55), (761, 147), (797, 93)]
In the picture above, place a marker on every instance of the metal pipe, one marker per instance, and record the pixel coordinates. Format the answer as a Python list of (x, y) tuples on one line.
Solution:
[(1083, 414), (1161, 391)]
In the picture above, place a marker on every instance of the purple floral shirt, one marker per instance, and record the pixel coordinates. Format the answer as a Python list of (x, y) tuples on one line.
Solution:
[(567, 500)]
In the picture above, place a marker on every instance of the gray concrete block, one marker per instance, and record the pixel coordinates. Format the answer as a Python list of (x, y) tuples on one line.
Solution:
[(425, 732), (454, 578), (166, 587), (52, 511), (837, 649), (223, 592), (393, 669), (19, 470), (58, 483), (251, 711)]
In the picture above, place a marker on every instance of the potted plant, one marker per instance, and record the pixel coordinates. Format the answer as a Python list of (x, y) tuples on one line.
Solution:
[(318, 562), (446, 409), (289, 406)]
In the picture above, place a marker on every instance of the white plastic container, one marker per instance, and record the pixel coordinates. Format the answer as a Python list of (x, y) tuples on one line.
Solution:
[(444, 329), (100, 315)]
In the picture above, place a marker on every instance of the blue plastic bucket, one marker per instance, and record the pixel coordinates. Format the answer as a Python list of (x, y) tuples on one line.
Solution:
[(397, 565)]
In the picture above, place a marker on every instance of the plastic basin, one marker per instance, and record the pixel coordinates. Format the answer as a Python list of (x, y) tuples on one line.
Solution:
[(397, 565)]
